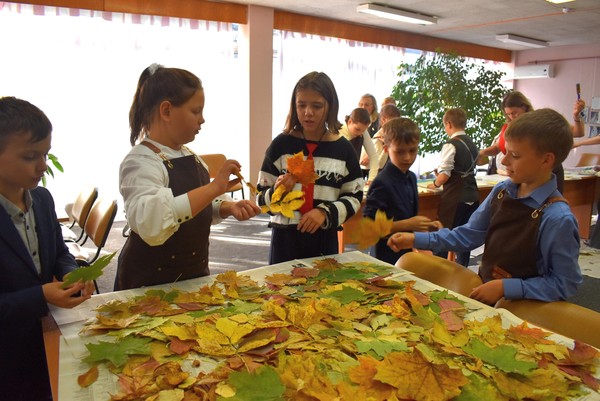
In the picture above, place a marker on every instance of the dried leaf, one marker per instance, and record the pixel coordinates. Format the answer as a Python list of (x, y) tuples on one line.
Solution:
[(302, 169), (370, 231), (88, 377)]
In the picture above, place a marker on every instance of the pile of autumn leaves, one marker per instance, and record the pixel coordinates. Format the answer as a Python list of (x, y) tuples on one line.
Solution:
[(328, 332)]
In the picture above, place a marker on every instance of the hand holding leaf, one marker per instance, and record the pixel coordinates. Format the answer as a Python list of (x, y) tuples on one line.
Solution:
[(302, 170), (87, 273), (370, 231)]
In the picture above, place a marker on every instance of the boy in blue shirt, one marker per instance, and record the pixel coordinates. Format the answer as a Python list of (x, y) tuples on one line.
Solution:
[(531, 237), (394, 190), (33, 256)]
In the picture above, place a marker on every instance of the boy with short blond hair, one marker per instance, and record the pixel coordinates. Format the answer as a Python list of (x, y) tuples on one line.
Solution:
[(531, 236), (394, 190)]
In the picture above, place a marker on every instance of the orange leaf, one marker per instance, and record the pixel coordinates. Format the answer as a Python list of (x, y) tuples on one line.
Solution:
[(418, 379), (302, 170), (88, 377)]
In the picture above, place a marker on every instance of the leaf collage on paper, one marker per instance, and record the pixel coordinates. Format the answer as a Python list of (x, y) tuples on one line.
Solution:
[(330, 331), (286, 205), (370, 231)]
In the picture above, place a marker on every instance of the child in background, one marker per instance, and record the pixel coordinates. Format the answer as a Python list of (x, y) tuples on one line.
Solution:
[(355, 130), (368, 102), (531, 236), (170, 202), (394, 190), (387, 112), (33, 255), (312, 128), (387, 100), (456, 173)]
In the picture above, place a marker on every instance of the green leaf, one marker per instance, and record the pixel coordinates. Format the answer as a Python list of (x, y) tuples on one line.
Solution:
[(87, 273), (163, 295), (118, 352), (380, 347), (503, 357), (346, 295), (262, 385)]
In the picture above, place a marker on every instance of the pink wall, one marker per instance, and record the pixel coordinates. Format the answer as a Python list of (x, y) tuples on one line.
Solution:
[(572, 64)]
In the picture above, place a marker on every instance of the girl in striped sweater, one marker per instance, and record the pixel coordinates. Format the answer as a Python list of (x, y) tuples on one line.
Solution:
[(312, 128)]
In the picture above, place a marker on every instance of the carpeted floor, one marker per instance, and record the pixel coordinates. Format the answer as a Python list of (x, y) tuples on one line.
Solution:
[(244, 245)]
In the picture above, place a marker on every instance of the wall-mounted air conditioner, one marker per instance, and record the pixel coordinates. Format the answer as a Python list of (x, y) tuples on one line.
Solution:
[(534, 71)]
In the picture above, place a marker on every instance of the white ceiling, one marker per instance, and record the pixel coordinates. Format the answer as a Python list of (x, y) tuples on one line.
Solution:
[(472, 21)]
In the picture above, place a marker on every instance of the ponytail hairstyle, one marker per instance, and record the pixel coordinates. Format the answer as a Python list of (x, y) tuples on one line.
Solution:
[(155, 85), (359, 115), (322, 84)]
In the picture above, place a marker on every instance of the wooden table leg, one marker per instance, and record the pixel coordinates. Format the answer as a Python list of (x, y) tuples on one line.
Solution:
[(52, 343)]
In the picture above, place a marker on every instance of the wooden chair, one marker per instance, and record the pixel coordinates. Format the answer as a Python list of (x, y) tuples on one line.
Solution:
[(570, 320), (215, 161), (440, 271), (78, 213), (588, 159), (97, 227)]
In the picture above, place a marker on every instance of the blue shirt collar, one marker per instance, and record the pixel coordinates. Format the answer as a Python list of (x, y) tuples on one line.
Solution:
[(540, 194)]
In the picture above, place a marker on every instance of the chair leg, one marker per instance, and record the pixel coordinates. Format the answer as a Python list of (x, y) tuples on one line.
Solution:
[(96, 286)]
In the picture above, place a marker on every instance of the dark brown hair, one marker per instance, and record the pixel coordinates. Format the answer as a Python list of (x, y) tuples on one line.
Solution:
[(516, 99), (401, 129), (547, 131), (157, 84), (322, 84), (18, 116), (359, 115)]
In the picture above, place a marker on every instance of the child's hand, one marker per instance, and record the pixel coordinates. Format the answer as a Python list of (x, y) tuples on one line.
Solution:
[(400, 241), (287, 180), (63, 297), (311, 221), (488, 293), (578, 108), (420, 223), (222, 181), (244, 210)]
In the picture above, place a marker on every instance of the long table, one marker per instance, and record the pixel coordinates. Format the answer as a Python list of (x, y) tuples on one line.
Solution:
[(581, 191), (66, 342)]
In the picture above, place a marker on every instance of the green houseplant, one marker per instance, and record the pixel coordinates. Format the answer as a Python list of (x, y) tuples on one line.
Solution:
[(54, 160), (433, 84)]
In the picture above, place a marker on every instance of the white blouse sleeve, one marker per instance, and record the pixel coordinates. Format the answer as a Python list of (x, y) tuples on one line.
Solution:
[(373, 157), (150, 207)]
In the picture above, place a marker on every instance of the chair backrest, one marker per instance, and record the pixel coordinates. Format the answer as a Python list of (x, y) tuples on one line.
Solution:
[(82, 206), (440, 271), (589, 159), (214, 161), (570, 320), (100, 220)]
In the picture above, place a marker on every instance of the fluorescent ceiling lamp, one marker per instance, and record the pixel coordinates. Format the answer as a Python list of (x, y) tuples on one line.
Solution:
[(521, 40), (559, 1), (396, 14)]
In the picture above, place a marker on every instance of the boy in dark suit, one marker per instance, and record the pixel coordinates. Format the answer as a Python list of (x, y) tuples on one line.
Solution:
[(33, 256), (394, 190)]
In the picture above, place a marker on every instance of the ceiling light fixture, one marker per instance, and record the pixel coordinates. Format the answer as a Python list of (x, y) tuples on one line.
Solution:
[(559, 1), (396, 14), (521, 40)]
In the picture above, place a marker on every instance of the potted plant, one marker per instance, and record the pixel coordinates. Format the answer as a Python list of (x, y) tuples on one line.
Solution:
[(433, 84), (54, 160)]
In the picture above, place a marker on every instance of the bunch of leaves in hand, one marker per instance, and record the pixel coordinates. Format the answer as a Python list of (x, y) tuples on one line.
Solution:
[(370, 231), (285, 205)]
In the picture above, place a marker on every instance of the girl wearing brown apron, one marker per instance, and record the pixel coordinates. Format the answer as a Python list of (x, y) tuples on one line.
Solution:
[(169, 201)]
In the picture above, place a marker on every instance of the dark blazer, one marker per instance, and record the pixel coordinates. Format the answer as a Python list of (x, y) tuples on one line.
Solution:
[(23, 369)]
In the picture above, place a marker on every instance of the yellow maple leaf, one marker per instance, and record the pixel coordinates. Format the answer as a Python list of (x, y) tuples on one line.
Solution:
[(418, 379), (286, 205), (302, 170), (232, 329), (370, 231)]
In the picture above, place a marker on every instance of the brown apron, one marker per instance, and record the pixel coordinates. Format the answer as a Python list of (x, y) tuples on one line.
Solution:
[(449, 200), (511, 240), (185, 254)]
